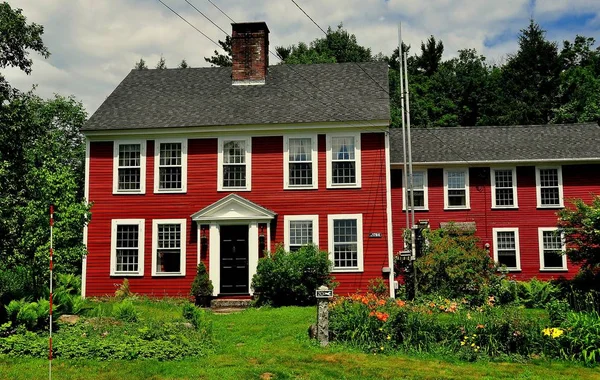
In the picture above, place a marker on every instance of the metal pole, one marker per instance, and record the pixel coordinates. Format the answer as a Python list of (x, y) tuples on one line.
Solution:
[(409, 143), (405, 170), (412, 183), (50, 311)]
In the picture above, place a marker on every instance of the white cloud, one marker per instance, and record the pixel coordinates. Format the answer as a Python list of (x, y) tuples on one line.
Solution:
[(94, 44)]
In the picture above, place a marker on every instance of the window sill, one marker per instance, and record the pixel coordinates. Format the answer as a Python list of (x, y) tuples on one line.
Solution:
[(505, 208), (509, 270), (343, 186), (123, 192), (347, 270), (170, 191), (300, 188), (126, 275), (457, 208), (550, 207), (230, 189), (418, 209), (177, 274), (554, 270)]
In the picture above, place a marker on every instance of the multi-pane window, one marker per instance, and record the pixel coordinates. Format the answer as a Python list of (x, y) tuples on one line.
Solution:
[(127, 242), (129, 167), (549, 187), (168, 243), (420, 190), (343, 160), (504, 188), (506, 247), (234, 164), (345, 242), (456, 188), (552, 256), (300, 165), (170, 166), (301, 233), (300, 230)]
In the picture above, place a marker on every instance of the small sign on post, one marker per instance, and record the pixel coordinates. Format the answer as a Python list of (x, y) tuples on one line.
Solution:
[(324, 294)]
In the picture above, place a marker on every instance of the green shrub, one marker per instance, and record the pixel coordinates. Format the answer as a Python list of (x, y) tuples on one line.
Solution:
[(558, 311), (32, 315), (378, 287), (535, 293), (581, 337), (455, 266), (123, 290), (197, 317), (291, 278), (202, 285), (125, 311)]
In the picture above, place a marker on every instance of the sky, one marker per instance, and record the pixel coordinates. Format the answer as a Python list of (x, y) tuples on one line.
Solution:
[(95, 43)]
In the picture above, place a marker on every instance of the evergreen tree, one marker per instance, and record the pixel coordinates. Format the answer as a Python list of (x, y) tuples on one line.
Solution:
[(221, 60), (161, 65), (183, 64), (141, 65), (431, 56)]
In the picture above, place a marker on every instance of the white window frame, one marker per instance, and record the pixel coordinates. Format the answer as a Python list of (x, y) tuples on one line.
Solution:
[(314, 163), (116, 144), (298, 218), (113, 247), (248, 158), (538, 186), (357, 161), (514, 187), (517, 247), (543, 267), (359, 244), (184, 143), (405, 193), (155, 223), (467, 205)]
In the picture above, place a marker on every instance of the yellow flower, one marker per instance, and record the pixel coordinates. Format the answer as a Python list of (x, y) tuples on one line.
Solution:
[(547, 331), (468, 315), (462, 343), (381, 348), (389, 337), (557, 332)]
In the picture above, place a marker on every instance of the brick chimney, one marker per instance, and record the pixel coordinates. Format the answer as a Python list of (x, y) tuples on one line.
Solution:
[(250, 52)]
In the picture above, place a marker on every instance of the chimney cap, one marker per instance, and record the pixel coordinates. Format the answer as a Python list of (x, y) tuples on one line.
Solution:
[(249, 26)]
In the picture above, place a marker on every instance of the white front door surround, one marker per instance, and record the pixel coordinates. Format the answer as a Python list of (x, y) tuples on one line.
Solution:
[(232, 210)]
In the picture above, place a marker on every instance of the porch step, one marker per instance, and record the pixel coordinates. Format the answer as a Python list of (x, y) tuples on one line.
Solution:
[(229, 305)]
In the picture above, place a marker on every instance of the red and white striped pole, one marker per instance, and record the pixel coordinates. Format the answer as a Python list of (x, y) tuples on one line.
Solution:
[(51, 267)]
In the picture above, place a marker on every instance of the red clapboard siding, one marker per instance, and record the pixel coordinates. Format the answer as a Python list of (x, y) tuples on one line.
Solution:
[(579, 181), (267, 191)]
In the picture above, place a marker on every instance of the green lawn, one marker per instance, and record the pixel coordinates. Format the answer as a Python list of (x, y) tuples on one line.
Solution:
[(273, 343)]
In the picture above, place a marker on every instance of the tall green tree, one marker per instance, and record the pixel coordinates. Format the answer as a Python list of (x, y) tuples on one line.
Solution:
[(531, 78), (221, 60), (431, 56), (41, 162)]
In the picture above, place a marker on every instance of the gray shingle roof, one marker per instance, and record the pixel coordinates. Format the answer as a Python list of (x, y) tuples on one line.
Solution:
[(513, 143), (206, 97)]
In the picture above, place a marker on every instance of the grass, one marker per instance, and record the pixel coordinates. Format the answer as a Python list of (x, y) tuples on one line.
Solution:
[(273, 343)]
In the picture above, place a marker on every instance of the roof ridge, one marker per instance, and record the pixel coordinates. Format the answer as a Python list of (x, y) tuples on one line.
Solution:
[(506, 126)]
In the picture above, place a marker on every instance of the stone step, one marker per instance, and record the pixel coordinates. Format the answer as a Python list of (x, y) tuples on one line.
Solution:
[(230, 303)]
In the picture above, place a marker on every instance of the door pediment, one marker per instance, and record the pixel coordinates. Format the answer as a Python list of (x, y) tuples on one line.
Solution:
[(233, 207)]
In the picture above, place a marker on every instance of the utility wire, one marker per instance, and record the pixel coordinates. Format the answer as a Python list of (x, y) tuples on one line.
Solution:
[(314, 22), (190, 24), (214, 5), (211, 21)]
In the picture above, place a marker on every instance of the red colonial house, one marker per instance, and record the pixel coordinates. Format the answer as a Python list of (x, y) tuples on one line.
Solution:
[(506, 183), (220, 164)]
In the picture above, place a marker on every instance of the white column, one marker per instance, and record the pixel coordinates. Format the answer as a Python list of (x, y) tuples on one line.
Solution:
[(214, 254), (268, 247), (252, 252)]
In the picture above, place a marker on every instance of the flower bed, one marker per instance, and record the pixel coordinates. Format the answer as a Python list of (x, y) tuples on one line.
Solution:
[(446, 326)]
